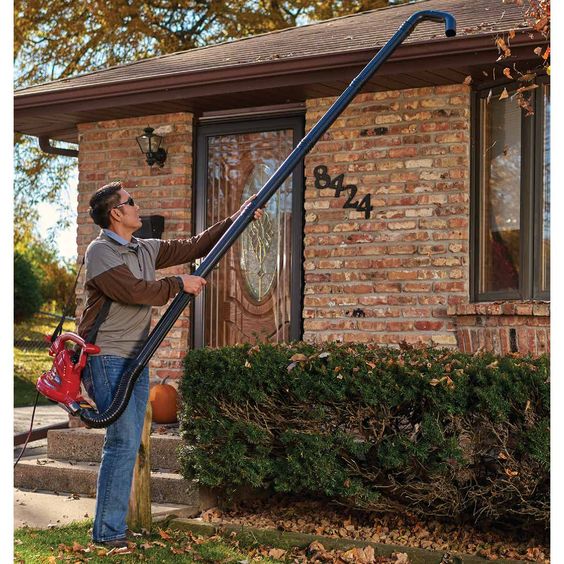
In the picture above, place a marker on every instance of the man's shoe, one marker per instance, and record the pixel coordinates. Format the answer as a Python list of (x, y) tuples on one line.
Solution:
[(116, 543)]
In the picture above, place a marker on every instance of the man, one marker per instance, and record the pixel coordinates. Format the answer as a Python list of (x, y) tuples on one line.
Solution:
[(120, 270)]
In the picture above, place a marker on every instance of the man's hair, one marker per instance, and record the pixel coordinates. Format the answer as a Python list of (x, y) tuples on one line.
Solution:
[(102, 201)]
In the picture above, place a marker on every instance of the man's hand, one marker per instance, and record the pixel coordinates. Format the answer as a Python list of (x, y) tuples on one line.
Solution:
[(258, 213), (192, 284)]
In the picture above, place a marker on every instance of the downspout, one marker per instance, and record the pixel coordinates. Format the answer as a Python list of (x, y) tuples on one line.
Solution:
[(46, 147)]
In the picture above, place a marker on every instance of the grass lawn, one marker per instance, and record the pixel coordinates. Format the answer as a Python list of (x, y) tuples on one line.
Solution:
[(30, 363), (72, 543)]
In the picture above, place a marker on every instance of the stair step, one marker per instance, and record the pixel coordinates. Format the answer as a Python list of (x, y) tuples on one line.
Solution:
[(85, 445), (80, 477)]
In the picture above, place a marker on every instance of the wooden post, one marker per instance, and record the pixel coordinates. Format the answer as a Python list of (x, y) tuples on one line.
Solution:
[(139, 515)]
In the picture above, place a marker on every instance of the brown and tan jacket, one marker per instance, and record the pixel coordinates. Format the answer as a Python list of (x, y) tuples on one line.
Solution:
[(125, 273)]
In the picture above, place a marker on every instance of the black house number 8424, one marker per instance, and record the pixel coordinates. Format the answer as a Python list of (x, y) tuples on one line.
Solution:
[(323, 180)]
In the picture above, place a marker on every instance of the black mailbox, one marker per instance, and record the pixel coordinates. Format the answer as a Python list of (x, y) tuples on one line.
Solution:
[(152, 228)]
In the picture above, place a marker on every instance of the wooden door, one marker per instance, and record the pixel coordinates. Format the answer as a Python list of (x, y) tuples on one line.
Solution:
[(251, 296)]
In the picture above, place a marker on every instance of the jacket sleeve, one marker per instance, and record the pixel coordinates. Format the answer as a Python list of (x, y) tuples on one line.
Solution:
[(181, 251), (112, 277)]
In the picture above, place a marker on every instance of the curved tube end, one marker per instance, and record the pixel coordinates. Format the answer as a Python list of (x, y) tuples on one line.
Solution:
[(450, 25), (437, 16)]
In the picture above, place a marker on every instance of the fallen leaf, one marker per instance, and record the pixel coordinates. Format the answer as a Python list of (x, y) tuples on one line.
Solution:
[(298, 357), (277, 553), (511, 473), (434, 382), (507, 72), (504, 94), (164, 535), (511, 33), (324, 355), (369, 553), (468, 80), (247, 364), (537, 51), (292, 366), (316, 546), (401, 558)]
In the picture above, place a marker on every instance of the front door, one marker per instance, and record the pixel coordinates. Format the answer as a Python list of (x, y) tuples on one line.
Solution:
[(255, 292)]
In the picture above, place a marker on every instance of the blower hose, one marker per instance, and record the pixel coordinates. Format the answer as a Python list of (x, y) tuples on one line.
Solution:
[(129, 377)]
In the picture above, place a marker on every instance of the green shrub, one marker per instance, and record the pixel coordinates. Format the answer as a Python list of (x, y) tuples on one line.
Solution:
[(432, 431), (27, 288)]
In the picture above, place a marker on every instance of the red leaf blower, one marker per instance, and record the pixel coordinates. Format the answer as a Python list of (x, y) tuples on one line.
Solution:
[(61, 383)]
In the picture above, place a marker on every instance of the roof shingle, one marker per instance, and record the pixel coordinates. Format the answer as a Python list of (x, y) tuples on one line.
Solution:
[(367, 30)]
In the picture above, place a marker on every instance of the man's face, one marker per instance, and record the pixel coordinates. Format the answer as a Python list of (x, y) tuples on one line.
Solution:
[(128, 214)]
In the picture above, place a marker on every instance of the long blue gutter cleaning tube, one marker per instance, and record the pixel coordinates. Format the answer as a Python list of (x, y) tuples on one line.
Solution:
[(179, 303)]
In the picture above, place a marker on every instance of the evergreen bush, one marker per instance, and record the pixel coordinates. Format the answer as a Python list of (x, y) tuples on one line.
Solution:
[(430, 431), (27, 288)]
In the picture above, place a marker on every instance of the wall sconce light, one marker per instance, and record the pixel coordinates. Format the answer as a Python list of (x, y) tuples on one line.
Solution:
[(150, 145)]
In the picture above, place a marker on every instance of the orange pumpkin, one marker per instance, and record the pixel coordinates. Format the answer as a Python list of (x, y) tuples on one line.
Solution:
[(164, 399)]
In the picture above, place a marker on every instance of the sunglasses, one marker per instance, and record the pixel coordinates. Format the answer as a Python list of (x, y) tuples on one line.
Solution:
[(129, 202)]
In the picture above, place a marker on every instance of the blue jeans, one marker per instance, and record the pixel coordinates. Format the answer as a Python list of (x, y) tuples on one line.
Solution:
[(101, 377)]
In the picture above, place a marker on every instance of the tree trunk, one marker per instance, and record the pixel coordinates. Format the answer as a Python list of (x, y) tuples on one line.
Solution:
[(139, 515)]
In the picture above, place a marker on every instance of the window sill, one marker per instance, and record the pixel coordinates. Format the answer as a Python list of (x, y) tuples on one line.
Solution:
[(535, 309)]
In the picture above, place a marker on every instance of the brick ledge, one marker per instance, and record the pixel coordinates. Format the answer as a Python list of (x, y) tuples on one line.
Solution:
[(530, 308)]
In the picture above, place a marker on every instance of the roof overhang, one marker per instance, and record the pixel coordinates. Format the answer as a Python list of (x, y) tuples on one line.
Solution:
[(440, 61)]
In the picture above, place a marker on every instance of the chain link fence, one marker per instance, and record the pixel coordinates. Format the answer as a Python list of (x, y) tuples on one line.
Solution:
[(34, 333)]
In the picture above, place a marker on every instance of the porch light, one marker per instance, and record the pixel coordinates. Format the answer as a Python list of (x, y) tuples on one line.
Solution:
[(150, 145)]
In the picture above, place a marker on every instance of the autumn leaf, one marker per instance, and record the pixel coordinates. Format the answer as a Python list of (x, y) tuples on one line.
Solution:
[(541, 24), (506, 51), (511, 33), (546, 54), (164, 535), (511, 473), (277, 553), (247, 364), (324, 355), (146, 546), (292, 366), (548, 70), (504, 94), (298, 357), (527, 88), (507, 72), (537, 51), (434, 382), (316, 546), (468, 80)]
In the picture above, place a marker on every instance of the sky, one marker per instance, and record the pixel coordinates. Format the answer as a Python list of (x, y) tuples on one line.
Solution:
[(49, 214)]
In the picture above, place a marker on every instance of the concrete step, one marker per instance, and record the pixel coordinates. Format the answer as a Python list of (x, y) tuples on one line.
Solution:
[(35, 473), (85, 445)]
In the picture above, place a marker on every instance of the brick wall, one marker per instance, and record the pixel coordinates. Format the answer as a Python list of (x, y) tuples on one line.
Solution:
[(109, 151), (389, 278), (503, 327)]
